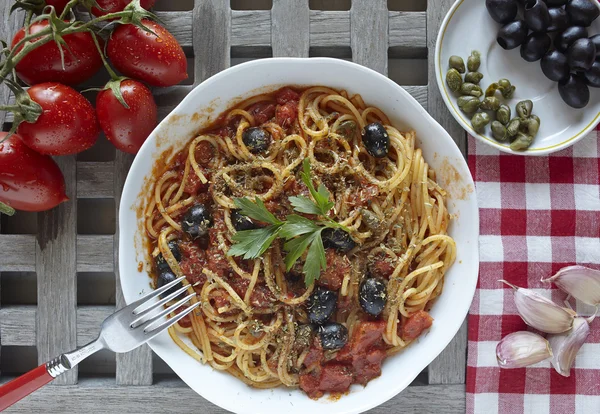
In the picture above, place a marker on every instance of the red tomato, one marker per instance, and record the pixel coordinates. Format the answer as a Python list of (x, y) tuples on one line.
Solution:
[(43, 64), (28, 181), (158, 61), (67, 124), (59, 5), (113, 6), (126, 128)]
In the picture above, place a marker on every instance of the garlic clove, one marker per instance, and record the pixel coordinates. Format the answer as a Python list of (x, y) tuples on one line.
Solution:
[(565, 346), (580, 282), (521, 349), (541, 313)]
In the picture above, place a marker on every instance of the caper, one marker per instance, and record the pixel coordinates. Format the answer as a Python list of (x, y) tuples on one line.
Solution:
[(347, 129), (503, 114), (454, 80), (536, 118), (370, 219), (513, 127), (471, 89), (456, 62), (521, 142), (506, 88), (468, 104), (491, 90), (499, 131), (524, 109), (533, 126), (474, 61), (474, 77), (490, 103), (479, 121)]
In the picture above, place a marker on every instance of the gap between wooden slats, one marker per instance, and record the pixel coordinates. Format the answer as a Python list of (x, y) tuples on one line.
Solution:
[(56, 268), (450, 366), (100, 396)]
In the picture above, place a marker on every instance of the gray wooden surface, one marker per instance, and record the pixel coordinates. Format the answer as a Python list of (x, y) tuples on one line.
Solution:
[(58, 270)]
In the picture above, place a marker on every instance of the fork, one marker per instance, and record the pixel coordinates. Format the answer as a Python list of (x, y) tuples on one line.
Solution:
[(122, 331)]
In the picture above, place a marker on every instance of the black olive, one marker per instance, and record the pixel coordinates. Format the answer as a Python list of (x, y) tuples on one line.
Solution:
[(166, 277), (535, 46), (337, 239), (574, 92), (256, 139), (161, 263), (556, 3), (512, 35), (241, 222), (376, 140), (566, 38), (559, 19), (596, 40), (592, 75), (502, 11), (582, 12), (536, 15), (581, 54), (321, 305), (372, 295), (333, 336), (555, 66), (196, 221)]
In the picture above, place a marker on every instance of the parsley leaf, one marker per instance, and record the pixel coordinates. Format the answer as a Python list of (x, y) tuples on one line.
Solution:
[(315, 260), (256, 210), (305, 205), (321, 196), (295, 248), (296, 225), (253, 243)]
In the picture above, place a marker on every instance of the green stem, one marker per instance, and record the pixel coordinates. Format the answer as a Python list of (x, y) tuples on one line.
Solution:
[(28, 17), (8, 210), (9, 108), (110, 71), (68, 8)]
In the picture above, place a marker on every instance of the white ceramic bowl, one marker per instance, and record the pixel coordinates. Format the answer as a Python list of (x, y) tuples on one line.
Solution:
[(204, 104), (468, 27)]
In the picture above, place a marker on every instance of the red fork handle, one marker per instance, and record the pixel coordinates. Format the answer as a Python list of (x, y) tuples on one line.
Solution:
[(21, 387)]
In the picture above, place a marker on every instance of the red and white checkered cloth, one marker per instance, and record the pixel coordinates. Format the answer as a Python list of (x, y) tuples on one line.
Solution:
[(538, 214)]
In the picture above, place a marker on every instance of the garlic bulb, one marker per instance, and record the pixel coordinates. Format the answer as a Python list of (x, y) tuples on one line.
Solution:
[(580, 282), (541, 313), (566, 345), (521, 349)]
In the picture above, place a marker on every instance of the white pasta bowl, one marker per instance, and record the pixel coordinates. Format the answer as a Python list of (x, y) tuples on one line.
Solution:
[(202, 106)]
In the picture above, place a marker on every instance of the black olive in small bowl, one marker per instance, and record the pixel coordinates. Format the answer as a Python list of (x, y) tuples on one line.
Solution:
[(536, 15), (372, 295), (161, 263), (574, 92), (337, 239), (321, 305), (581, 54), (556, 3), (535, 46), (555, 66), (583, 12), (566, 38), (592, 75), (559, 19), (256, 139), (167, 277), (596, 40), (196, 221), (502, 11), (376, 140), (241, 222), (333, 336), (512, 35)]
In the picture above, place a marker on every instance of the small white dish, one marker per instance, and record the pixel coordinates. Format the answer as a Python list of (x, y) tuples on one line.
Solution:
[(468, 27), (203, 105)]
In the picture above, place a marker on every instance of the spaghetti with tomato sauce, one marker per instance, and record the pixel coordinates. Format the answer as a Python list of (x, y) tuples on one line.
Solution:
[(381, 240)]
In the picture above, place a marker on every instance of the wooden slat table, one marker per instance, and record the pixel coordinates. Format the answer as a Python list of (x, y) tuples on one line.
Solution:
[(59, 269)]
